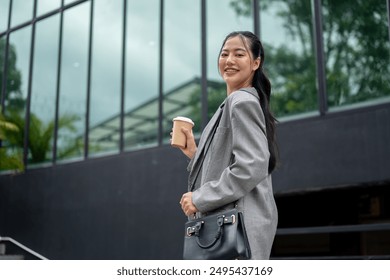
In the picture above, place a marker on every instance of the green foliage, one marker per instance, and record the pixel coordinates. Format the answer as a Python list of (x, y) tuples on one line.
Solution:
[(14, 97), (356, 45), (40, 135), (13, 161), (40, 139), (12, 123), (294, 89), (358, 58), (242, 7), (216, 94), (10, 159)]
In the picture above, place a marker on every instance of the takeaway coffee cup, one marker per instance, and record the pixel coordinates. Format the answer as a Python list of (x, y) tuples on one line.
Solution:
[(179, 139)]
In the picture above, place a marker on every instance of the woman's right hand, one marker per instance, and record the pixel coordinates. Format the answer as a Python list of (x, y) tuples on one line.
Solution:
[(190, 148)]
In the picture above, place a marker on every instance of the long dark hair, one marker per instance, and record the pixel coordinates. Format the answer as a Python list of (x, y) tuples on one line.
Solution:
[(263, 87)]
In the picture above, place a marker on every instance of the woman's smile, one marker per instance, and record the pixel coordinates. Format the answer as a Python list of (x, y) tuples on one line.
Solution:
[(231, 70)]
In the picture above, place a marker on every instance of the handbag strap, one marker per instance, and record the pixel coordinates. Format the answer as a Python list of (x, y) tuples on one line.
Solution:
[(206, 148)]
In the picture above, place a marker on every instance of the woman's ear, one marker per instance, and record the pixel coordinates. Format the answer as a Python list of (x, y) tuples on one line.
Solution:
[(256, 64)]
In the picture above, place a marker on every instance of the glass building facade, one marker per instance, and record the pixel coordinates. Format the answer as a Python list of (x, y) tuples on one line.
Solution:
[(84, 79), (89, 88)]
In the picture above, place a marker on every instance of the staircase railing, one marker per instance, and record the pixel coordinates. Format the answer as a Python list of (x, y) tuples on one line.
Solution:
[(23, 247)]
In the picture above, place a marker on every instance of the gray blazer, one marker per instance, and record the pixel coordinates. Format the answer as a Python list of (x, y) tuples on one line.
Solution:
[(235, 169)]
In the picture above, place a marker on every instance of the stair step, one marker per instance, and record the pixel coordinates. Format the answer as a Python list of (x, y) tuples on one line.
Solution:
[(11, 257), (2, 248)]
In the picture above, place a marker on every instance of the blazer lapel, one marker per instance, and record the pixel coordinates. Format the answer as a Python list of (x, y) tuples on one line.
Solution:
[(204, 140)]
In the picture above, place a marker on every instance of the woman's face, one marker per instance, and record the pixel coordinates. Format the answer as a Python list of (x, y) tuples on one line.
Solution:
[(236, 64)]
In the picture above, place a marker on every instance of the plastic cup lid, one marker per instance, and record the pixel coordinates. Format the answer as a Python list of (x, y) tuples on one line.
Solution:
[(184, 119)]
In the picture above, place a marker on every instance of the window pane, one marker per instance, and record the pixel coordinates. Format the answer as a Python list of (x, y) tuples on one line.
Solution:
[(4, 6), (232, 16), (357, 51), (2, 62), (18, 69), (45, 6), (16, 89), (73, 82), (43, 94), (287, 35), (182, 60), (142, 61), (106, 77), (22, 11)]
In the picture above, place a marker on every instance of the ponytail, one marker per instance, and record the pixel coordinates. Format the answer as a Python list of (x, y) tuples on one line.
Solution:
[(263, 87)]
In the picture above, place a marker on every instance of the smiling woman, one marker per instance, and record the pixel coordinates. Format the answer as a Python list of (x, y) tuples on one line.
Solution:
[(237, 163)]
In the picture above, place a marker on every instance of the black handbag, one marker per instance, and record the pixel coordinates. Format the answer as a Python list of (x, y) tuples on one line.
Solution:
[(220, 236)]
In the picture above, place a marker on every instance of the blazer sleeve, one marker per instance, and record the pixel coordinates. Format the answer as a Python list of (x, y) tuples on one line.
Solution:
[(250, 157)]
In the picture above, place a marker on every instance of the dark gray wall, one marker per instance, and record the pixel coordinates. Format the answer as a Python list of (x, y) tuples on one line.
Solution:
[(127, 206), (122, 207), (339, 149)]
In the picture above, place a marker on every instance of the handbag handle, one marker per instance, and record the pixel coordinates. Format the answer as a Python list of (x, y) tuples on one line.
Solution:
[(217, 235), (221, 220)]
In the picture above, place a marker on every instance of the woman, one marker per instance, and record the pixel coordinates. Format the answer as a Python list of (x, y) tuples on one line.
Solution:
[(237, 168)]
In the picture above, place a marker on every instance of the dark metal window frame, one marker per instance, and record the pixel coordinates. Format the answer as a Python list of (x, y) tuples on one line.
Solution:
[(89, 72), (161, 77), (320, 60), (319, 52), (388, 17), (59, 63), (32, 23)]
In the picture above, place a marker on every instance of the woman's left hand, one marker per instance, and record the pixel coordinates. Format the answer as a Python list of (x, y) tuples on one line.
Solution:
[(187, 206)]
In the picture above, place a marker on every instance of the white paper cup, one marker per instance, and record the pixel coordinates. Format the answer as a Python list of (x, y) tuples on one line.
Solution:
[(179, 139)]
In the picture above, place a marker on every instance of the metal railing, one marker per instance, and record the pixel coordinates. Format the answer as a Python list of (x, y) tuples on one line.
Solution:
[(334, 229), (331, 230), (20, 245)]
